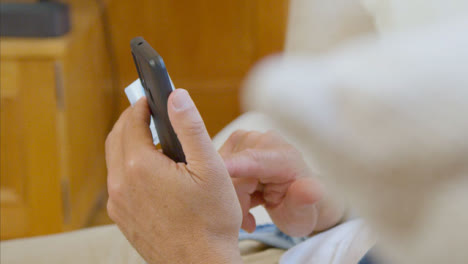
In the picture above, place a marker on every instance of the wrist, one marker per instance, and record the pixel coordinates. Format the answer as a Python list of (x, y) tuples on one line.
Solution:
[(217, 255), (225, 257), (215, 251)]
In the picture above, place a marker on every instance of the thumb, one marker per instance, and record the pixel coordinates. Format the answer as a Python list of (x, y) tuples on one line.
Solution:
[(190, 129)]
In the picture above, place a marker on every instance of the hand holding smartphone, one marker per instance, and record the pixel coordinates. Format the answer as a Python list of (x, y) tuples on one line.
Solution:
[(157, 86)]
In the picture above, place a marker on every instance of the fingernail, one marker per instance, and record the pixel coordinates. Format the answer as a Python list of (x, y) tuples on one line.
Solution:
[(181, 100)]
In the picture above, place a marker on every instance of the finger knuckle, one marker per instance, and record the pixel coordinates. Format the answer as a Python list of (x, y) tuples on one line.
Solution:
[(273, 197), (134, 164), (111, 210), (195, 128), (114, 189), (252, 153), (238, 134), (266, 140), (252, 135), (108, 142)]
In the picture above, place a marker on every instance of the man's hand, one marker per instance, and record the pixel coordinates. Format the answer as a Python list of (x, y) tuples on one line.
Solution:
[(266, 170), (172, 212)]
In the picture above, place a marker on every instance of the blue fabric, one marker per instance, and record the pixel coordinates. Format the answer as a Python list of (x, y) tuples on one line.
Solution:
[(270, 235), (367, 259)]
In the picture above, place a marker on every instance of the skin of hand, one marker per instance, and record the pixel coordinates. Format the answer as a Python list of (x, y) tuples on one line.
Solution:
[(172, 212), (268, 171)]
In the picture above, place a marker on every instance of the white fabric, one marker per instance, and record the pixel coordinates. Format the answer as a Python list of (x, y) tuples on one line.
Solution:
[(385, 121), (346, 243), (319, 26), (402, 15), (134, 92)]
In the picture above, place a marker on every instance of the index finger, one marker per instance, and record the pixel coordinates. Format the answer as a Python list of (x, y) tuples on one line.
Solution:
[(113, 145), (137, 134), (229, 145), (266, 166)]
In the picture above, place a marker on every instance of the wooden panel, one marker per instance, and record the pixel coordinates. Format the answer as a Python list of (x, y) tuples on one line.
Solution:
[(14, 48), (198, 39), (12, 126), (215, 101), (29, 151), (85, 117), (14, 220), (43, 185), (272, 17), (9, 80), (203, 42)]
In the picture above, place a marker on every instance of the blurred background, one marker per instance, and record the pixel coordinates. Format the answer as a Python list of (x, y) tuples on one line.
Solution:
[(64, 65)]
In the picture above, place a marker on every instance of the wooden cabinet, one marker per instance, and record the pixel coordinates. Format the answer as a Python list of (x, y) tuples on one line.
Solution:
[(56, 110)]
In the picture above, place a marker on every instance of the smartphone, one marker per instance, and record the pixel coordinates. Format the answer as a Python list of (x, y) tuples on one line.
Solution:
[(157, 85)]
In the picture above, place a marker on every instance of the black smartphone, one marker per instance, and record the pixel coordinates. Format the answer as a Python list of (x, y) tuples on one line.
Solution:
[(157, 86)]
